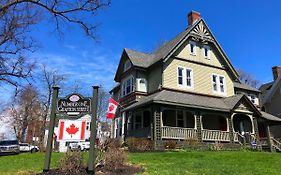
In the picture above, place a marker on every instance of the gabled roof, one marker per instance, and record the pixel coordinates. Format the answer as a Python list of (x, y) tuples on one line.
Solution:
[(143, 60), (269, 94), (265, 87), (245, 87), (140, 59)]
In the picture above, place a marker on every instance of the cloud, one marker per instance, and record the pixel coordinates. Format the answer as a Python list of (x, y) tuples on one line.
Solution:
[(86, 67)]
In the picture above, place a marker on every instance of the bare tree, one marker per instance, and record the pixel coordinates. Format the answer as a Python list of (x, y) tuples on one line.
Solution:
[(17, 17), (49, 79), (103, 98), (248, 79), (25, 111)]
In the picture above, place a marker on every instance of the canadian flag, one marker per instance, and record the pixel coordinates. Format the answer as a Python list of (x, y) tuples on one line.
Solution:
[(112, 106), (72, 130)]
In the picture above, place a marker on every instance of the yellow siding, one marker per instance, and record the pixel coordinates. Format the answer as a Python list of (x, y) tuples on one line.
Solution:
[(184, 53), (201, 77)]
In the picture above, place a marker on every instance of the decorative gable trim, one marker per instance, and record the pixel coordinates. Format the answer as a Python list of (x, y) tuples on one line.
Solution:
[(245, 104), (203, 34), (200, 31)]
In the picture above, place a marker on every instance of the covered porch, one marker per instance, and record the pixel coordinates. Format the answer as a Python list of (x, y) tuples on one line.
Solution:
[(177, 116)]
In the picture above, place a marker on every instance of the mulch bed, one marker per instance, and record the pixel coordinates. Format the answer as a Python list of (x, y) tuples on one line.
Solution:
[(124, 170)]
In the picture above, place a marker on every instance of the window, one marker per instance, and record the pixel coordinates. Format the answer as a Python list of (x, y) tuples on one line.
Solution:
[(188, 77), (127, 65), (185, 77), (215, 86), (180, 76), (218, 82), (128, 86), (192, 46), (252, 97), (206, 52)]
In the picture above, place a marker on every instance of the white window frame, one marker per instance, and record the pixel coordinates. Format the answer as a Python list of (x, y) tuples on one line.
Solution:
[(253, 100), (208, 52), (125, 85), (219, 90), (194, 47), (184, 77)]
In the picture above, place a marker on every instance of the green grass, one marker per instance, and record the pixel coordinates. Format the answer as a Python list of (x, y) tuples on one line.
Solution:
[(196, 162), (209, 163), (26, 162)]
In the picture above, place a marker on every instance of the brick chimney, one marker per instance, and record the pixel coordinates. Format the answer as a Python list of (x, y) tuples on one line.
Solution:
[(192, 17), (276, 71)]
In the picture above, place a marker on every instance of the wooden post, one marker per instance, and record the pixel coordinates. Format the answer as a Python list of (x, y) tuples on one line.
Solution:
[(199, 126), (255, 122), (51, 129), (93, 127), (230, 127), (269, 141)]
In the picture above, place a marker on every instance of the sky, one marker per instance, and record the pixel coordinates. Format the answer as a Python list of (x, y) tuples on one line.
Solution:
[(248, 31)]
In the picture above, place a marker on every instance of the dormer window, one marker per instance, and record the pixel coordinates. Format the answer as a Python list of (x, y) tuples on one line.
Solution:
[(127, 65), (192, 46), (206, 52)]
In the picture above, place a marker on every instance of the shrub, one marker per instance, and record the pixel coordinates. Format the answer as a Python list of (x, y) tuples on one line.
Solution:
[(191, 143), (72, 162), (139, 144), (114, 158), (170, 144)]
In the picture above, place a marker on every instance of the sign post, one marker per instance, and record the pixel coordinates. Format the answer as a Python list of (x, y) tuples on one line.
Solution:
[(73, 106), (51, 129), (92, 154)]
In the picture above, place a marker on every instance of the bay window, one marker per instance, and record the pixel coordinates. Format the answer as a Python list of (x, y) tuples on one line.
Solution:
[(128, 86)]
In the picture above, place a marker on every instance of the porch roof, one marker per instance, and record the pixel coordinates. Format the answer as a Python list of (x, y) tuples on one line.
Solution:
[(197, 101), (182, 99), (270, 117)]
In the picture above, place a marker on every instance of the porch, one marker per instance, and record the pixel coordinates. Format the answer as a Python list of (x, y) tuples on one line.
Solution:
[(185, 124)]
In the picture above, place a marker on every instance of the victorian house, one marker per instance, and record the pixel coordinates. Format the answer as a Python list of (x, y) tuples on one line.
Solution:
[(188, 89)]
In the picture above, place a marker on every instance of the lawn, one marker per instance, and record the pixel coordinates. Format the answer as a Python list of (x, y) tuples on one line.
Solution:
[(197, 162), (209, 163)]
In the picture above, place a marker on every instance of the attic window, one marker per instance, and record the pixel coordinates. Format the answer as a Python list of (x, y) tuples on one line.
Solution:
[(192, 46), (206, 52), (127, 65)]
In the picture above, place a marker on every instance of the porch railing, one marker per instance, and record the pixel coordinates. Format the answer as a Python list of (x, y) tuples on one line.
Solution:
[(178, 133), (276, 144), (215, 135)]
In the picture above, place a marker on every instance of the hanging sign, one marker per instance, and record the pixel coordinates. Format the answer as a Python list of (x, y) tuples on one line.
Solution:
[(74, 105), (72, 130)]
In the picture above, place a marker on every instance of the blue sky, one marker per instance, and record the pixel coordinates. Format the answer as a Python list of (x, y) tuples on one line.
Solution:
[(248, 31)]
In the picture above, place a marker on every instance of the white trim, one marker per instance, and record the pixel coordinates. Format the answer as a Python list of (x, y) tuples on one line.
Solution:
[(208, 52), (194, 47), (124, 85), (184, 78), (218, 91)]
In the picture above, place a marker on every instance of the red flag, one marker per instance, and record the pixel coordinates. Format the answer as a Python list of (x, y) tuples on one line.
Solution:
[(112, 106)]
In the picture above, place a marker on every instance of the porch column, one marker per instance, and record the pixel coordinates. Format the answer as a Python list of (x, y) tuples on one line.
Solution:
[(157, 134), (199, 126), (256, 129), (230, 128), (269, 141)]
